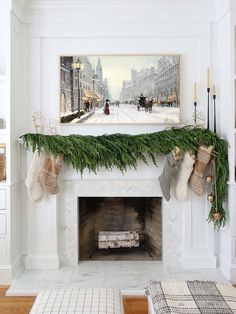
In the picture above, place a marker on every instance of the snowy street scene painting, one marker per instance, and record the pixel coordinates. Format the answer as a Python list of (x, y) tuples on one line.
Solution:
[(120, 89)]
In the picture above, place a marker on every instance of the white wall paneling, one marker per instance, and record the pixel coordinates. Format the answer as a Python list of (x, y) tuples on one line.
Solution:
[(41, 12), (198, 239), (115, 28), (42, 235), (224, 45), (3, 224), (41, 31), (15, 104), (2, 199)]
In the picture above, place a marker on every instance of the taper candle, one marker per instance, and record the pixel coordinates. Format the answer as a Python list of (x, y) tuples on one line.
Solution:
[(195, 92), (208, 78), (214, 90)]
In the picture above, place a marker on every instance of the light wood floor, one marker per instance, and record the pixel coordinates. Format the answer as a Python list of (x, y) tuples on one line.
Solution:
[(22, 305), (16, 305)]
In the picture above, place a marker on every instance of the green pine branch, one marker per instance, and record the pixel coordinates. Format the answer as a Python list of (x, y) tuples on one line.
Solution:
[(123, 151)]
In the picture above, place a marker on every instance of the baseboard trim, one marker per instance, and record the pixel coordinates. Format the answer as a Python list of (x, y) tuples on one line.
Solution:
[(18, 267), (196, 261), (229, 271), (5, 275), (41, 262)]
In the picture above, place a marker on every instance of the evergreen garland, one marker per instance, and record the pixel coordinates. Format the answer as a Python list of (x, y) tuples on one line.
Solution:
[(123, 151)]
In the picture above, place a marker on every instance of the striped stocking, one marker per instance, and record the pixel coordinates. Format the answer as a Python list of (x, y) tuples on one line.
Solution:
[(49, 172), (196, 180)]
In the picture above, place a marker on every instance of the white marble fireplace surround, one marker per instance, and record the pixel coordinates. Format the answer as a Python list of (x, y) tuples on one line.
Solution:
[(52, 231)]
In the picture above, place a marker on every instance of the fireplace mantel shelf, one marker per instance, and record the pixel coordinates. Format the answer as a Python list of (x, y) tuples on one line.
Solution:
[(123, 151)]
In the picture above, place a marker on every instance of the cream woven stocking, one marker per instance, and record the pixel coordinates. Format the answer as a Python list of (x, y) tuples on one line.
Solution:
[(34, 187), (184, 171)]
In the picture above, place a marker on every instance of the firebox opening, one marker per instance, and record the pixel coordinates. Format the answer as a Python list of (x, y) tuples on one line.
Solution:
[(120, 228)]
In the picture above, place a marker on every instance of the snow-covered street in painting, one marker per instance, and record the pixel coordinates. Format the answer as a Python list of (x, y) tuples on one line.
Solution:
[(127, 113)]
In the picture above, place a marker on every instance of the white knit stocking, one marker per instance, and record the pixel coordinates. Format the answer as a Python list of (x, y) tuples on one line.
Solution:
[(34, 187), (182, 177)]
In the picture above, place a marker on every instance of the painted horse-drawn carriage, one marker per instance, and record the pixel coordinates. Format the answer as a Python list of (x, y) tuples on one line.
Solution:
[(143, 102)]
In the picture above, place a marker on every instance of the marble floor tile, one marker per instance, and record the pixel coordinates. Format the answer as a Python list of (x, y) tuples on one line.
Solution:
[(122, 281), (150, 267), (120, 267), (97, 282), (84, 279), (91, 267), (145, 278)]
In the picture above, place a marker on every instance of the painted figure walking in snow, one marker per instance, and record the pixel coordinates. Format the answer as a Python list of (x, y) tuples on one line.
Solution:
[(106, 107)]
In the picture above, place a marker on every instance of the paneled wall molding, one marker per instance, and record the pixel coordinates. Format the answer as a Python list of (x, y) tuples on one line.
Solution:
[(150, 10), (196, 254), (120, 30), (222, 7), (19, 9)]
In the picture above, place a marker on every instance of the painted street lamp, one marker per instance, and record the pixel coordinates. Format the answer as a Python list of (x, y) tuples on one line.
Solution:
[(93, 80), (77, 65)]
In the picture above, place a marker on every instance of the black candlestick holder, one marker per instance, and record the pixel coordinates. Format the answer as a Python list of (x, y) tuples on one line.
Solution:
[(208, 108), (195, 113), (214, 99)]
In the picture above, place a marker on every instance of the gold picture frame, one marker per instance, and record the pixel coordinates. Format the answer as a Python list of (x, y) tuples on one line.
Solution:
[(3, 172)]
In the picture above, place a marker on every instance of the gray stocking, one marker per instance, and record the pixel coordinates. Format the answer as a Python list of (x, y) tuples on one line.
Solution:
[(168, 172)]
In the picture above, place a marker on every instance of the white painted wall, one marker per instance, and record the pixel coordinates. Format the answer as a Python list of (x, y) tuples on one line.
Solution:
[(113, 27), (117, 27), (224, 65), (13, 108), (44, 30)]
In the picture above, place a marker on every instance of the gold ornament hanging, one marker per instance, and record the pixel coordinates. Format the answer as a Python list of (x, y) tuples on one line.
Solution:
[(210, 197), (177, 153), (209, 179), (217, 216)]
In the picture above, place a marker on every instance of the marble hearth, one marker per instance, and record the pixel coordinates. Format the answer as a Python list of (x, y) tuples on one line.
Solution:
[(130, 277)]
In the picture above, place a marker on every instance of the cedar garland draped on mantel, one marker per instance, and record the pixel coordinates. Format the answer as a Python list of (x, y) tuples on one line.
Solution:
[(123, 151)]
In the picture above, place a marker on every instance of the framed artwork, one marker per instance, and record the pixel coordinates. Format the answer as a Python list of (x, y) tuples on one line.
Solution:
[(2, 162), (118, 89)]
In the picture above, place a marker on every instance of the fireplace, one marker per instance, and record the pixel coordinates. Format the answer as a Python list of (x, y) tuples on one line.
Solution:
[(186, 237), (123, 219)]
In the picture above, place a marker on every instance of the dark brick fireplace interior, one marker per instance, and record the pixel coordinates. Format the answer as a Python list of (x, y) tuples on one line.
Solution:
[(140, 214)]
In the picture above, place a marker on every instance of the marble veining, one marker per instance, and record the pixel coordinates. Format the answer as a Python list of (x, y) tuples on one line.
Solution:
[(130, 277), (67, 203)]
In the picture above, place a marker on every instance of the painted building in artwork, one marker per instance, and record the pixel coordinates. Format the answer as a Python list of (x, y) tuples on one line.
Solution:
[(92, 86), (141, 82), (160, 83), (167, 82), (67, 85), (127, 91)]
